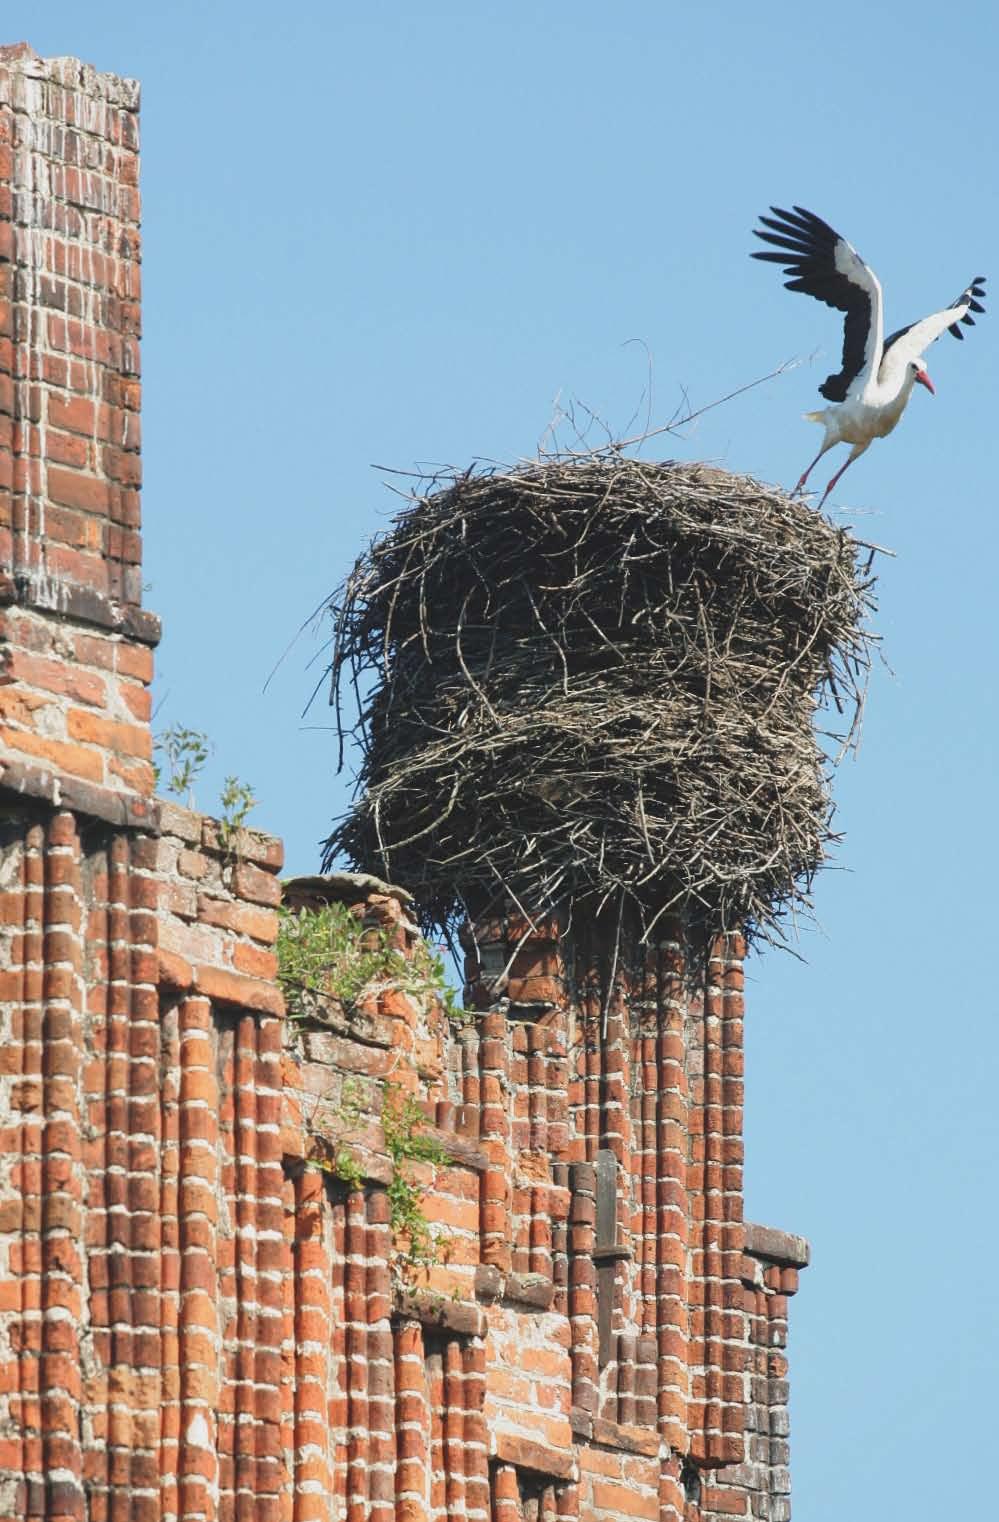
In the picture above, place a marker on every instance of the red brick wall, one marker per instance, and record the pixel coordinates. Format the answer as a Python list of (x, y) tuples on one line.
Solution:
[(200, 1318), (75, 645)]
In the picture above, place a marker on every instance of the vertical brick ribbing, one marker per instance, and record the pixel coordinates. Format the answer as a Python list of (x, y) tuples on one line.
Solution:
[(412, 1421), (339, 1393), (506, 1494), (381, 1363), (62, 1175), (171, 1269), (537, 1079), (198, 1468), (289, 1358), (591, 1019), (717, 1415), (244, 1438), (671, 1218), (145, 1244), (560, 1239), (312, 1473), (454, 1428), (26, 1177), (495, 1228), (582, 1288), (476, 1437), (116, 1176), (435, 1401), (470, 1080), (672, 1501), (519, 1108), (567, 1503), (270, 1470), (356, 1318), (733, 1230), (616, 1138)]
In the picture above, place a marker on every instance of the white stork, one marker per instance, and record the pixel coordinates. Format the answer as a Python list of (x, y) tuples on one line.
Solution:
[(878, 373)]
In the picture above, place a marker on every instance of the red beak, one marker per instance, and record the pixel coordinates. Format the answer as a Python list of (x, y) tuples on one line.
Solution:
[(924, 380)]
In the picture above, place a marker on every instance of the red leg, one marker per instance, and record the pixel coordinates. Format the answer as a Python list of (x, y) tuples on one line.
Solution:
[(855, 454), (804, 478)]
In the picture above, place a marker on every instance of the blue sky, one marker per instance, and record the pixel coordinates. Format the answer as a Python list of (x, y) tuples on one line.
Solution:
[(396, 233)]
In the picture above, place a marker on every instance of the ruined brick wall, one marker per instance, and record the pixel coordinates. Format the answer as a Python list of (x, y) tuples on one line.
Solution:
[(74, 705), (202, 1314)]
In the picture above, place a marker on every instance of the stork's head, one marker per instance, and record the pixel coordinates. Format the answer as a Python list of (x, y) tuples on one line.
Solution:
[(919, 374)]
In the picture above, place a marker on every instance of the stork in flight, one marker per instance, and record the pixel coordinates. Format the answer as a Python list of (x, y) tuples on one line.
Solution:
[(871, 390)]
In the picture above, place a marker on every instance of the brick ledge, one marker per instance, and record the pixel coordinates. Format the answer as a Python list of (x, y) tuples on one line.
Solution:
[(83, 605), (128, 810), (778, 1246)]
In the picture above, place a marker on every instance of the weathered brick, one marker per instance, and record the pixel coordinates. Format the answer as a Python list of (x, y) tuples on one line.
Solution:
[(112, 735)]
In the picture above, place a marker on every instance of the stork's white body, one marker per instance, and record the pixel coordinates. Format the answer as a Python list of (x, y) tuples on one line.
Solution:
[(862, 419), (873, 387)]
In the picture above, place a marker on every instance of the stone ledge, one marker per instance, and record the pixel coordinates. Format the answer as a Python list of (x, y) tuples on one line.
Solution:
[(459, 1151), (458, 1316), (338, 888), (235, 988), (79, 604), (526, 1454), (626, 1437), (127, 810), (531, 1290), (781, 1247), (621, 1435)]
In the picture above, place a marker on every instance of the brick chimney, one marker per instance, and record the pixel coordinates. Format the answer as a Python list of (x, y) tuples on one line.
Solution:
[(75, 643)]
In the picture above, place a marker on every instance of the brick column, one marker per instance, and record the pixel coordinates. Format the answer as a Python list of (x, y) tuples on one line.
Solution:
[(75, 644)]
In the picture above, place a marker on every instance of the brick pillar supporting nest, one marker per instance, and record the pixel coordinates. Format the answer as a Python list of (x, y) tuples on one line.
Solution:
[(664, 1336)]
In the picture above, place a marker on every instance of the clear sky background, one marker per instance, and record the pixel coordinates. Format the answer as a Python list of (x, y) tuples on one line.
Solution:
[(395, 233)]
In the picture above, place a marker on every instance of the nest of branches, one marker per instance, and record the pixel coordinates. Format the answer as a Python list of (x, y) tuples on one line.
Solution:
[(597, 680)]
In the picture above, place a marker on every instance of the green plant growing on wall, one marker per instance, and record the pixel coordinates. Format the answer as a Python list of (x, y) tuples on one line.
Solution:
[(236, 799), (344, 1163), (184, 752), (407, 1142), (406, 1138), (328, 951)]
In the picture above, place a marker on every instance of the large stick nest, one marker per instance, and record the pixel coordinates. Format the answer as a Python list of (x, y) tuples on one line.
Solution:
[(597, 679)]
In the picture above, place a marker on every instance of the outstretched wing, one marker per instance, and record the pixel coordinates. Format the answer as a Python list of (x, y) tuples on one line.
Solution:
[(824, 265), (911, 342)]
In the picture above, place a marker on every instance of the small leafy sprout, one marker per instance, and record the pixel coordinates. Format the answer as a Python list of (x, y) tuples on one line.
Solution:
[(237, 799), (184, 752)]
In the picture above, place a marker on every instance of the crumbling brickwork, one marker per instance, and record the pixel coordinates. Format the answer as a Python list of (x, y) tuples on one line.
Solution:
[(203, 1313)]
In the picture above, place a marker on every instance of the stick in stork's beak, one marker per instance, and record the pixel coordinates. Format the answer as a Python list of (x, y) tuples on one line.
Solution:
[(924, 380)]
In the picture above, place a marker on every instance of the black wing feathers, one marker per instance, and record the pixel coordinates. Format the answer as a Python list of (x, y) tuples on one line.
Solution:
[(971, 298), (967, 299), (809, 257)]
